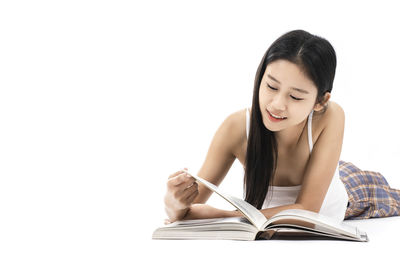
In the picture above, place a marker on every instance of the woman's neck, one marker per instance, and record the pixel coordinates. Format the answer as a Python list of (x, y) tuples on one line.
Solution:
[(288, 139)]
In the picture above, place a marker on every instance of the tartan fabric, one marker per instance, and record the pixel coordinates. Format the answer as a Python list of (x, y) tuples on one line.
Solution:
[(370, 195)]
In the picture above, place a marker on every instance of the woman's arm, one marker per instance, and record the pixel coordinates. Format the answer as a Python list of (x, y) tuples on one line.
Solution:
[(323, 160), (182, 191), (204, 211), (221, 154)]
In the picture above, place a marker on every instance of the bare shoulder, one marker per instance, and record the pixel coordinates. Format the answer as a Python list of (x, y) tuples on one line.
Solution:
[(234, 128), (333, 113), (333, 117), (335, 108)]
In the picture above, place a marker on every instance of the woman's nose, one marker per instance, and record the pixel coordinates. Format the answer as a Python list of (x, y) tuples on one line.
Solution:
[(279, 102)]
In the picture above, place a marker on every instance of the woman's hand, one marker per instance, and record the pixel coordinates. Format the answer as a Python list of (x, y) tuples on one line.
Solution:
[(181, 192)]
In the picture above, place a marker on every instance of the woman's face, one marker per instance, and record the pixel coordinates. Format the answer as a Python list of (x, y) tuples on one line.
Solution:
[(286, 93)]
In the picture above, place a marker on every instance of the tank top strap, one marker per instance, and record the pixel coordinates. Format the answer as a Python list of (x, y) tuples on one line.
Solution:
[(310, 143)]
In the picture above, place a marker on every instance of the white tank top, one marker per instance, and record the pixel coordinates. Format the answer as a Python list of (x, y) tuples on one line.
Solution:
[(335, 202)]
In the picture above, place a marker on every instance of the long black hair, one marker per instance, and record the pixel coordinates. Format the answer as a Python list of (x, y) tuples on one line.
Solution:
[(317, 58)]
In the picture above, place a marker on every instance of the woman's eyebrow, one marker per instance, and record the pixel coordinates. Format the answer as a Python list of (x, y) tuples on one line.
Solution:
[(294, 88)]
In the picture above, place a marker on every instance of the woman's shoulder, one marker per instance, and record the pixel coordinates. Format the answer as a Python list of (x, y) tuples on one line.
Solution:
[(236, 122), (332, 117), (332, 111), (234, 128)]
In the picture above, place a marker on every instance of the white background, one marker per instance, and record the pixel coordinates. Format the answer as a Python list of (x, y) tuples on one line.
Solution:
[(101, 100)]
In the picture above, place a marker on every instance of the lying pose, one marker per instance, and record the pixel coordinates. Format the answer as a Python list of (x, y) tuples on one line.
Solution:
[(289, 143)]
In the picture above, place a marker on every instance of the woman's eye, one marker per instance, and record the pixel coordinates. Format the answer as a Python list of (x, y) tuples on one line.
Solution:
[(295, 98)]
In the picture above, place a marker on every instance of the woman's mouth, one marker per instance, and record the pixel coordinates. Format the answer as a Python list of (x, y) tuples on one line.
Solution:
[(275, 118)]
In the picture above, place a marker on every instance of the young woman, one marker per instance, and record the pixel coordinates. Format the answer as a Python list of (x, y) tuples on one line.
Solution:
[(289, 144)]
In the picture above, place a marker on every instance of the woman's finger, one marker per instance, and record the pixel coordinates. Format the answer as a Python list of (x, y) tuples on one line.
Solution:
[(189, 200), (189, 190), (176, 173), (182, 180)]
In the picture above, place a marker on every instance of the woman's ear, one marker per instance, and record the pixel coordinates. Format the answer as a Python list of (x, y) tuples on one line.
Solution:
[(320, 106)]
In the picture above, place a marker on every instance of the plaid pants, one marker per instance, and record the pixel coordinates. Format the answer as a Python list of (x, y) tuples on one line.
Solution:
[(370, 195)]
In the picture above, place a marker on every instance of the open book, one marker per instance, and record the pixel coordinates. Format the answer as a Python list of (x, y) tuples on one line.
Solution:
[(294, 223)]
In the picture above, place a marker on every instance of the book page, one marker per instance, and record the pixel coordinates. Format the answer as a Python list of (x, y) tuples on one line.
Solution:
[(249, 211), (318, 219)]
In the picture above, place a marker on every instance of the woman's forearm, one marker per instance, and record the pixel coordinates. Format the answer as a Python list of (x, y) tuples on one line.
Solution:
[(268, 213), (205, 211)]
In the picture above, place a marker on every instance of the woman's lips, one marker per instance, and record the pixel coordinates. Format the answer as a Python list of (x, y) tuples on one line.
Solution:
[(271, 118)]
